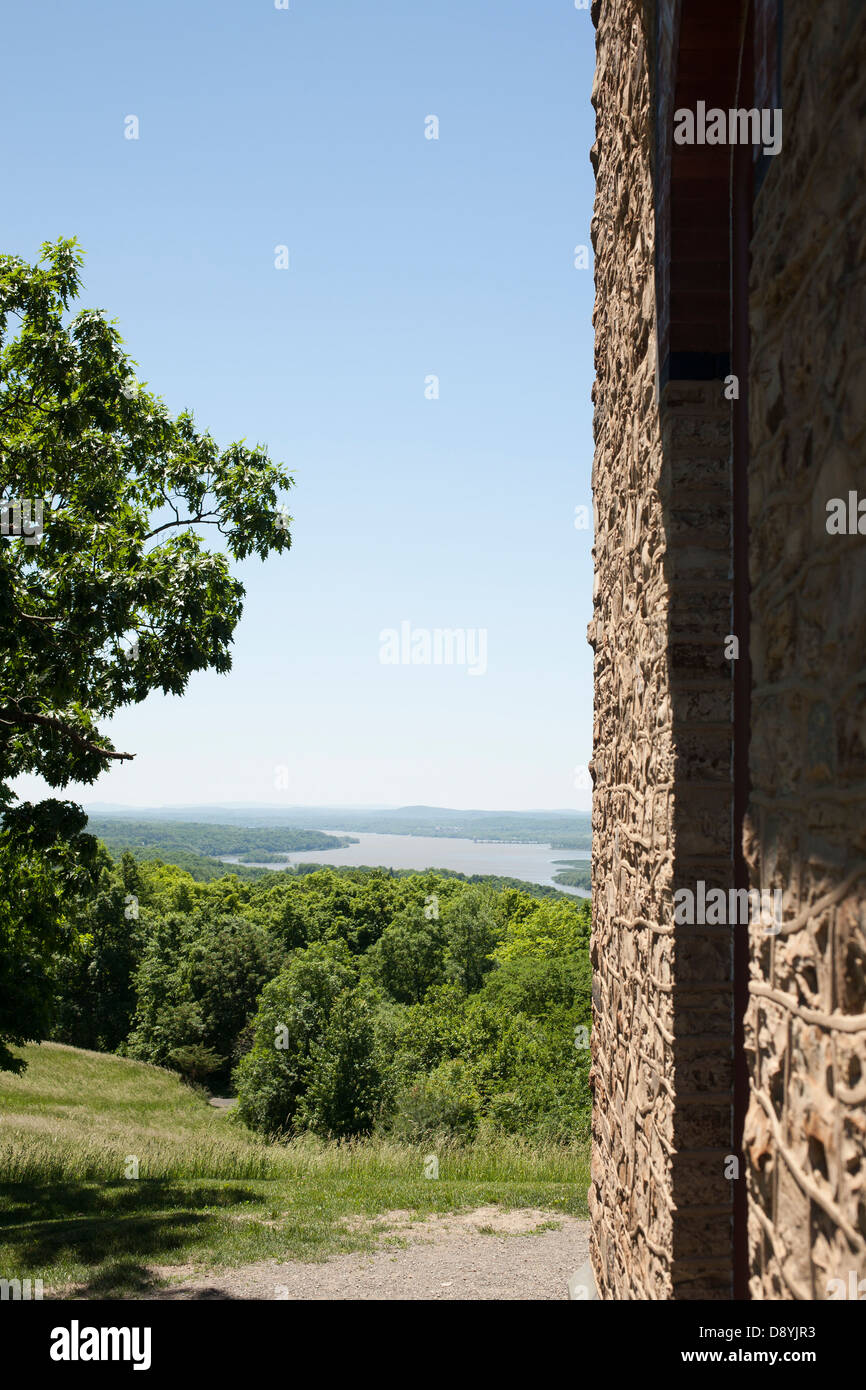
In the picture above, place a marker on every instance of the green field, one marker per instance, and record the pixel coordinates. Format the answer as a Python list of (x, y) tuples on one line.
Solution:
[(208, 1194)]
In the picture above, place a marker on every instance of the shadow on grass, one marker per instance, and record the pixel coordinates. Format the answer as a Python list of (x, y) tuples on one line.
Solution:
[(27, 1203), (115, 1229)]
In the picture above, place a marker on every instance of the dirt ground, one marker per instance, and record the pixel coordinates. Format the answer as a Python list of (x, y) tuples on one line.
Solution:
[(485, 1255)]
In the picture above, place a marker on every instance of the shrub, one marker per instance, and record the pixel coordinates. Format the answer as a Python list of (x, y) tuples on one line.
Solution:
[(444, 1103)]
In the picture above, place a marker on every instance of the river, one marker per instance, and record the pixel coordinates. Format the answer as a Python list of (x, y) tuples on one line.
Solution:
[(532, 862)]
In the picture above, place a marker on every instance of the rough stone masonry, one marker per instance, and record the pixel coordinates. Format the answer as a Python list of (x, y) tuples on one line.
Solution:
[(664, 1034)]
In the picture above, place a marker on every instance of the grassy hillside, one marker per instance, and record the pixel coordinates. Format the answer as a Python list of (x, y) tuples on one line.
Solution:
[(208, 1194), (75, 1114)]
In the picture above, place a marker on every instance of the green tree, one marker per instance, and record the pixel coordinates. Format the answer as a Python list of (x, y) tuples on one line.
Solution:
[(119, 597), (345, 1088), (195, 1062), (472, 930), (293, 1015), (409, 956), (95, 994), (543, 929), (166, 1015), (230, 962), (199, 980), (48, 870)]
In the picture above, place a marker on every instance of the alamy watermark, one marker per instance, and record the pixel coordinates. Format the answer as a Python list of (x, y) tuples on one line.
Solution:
[(21, 1290), (737, 126), (855, 1290), (22, 517), (714, 907), (846, 516), (77, 1343), (438, 646)]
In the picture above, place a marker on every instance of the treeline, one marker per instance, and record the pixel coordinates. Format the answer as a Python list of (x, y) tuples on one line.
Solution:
[(495, 881), (563, 830), (341, 1003), (205, 870), (198, 866), (575, 873), (210, 840)]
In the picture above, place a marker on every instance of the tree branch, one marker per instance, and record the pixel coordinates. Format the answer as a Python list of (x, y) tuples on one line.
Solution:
[(189, 521), (48, 721)]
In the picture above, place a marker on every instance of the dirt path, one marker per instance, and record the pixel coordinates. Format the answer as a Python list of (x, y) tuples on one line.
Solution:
[(486, 1254)]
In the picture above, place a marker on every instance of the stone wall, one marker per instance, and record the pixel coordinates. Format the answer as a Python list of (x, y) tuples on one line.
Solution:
[(660, 1195), (632, 1041), (806, 1025), (659, 1199)]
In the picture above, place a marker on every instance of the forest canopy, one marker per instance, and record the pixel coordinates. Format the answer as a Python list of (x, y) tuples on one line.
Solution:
[(341, 1002)]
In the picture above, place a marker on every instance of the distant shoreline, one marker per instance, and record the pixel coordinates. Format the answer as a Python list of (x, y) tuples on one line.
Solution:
[(529, 861)]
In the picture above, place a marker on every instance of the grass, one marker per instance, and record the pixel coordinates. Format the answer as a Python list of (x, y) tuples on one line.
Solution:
[(208, 1193)]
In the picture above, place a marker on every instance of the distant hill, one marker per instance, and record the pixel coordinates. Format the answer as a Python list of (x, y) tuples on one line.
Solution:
[(561, 829)]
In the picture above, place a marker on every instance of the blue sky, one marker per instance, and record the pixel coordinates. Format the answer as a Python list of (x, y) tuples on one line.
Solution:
[(408, 257)]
